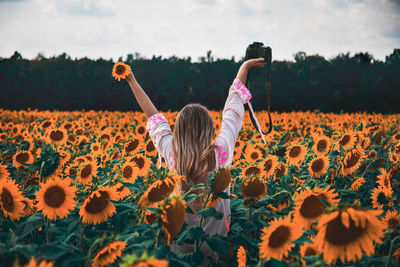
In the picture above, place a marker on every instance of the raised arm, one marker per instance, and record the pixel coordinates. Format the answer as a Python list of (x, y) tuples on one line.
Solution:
[(144, 101)]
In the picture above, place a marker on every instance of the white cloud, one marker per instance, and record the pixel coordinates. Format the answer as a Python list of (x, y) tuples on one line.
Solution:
[(108, 29)]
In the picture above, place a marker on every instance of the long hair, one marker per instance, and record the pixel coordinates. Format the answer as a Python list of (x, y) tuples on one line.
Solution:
[(191, 143)]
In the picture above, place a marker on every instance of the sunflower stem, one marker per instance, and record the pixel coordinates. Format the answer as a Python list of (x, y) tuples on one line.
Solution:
[(391, 251), (41, 172), (251, 210), (196, 242)]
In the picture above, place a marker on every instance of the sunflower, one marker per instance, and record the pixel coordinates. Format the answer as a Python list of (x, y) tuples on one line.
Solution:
[(251, 170), (381, 196), (346, 141), (241, 257), (280, 170), (150, 149), (55, 198), (346, 233), (32, 263), (142, 162), (352, 161), (132, 147), (4, 173), (109, 253), (318, 166), (172, 217), (96, 207), (383, 178), (72, 170), (57, 136), (355, 186), (309, 206), (150, 217), (95, 148), (269, 165), (87, 170), (130, 172), (276, 238), (393, 158), (254, 188), (295, 154), (121, 190), (222, 180), (11, 199), (141, 131), (308, 249), (29, 207), (120, 70), (394, 172), (252, 154), (392, 219), (25, 157), (158, 190), (237, 152), (322, 145)]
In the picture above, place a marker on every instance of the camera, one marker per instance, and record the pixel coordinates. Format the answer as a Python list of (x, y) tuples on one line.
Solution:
[(257, 50)]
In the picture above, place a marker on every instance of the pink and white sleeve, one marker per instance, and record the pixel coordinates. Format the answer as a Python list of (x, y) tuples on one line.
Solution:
[(232, 121), (161, 135)]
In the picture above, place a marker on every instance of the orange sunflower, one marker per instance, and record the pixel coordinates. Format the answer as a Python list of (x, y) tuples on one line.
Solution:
[(121, 190), (241, 257), (132, 147), (4, 173), (352, 161), (254, 188), (55, 198), (25, 157), (276, 238), (309, 206), (392, 219), (318, 166), (96, 207), (269, 165), (295, 154), (355, 186), (159, 190), (87, 170), (172, 217), (322, 145), (222, 180), (381, 196), (11, 199), (109, 253), (346, 141), (142, 162), (43, 263), (57, 136), (347, 233), (120, 70)]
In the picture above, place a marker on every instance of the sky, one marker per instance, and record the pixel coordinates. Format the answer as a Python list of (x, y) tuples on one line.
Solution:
[(112, 29)]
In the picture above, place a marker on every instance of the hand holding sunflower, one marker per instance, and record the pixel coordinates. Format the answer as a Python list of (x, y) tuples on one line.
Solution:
[(122, 71)]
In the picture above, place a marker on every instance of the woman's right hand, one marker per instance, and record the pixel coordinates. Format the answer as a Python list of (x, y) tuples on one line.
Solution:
[(254, 63), (130, 77)]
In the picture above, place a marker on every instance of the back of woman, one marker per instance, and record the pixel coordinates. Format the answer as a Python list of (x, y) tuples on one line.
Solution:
[(189, 150)]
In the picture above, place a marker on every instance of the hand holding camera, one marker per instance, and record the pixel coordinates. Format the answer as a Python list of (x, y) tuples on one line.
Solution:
[(254, 63)]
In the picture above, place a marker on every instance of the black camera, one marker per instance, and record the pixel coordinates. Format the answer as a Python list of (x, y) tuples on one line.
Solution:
[(257, 50)]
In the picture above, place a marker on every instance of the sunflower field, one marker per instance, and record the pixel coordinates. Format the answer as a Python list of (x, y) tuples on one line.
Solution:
[(83, 188)]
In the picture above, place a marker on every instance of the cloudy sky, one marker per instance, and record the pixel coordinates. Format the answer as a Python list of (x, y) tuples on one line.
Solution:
[(110, 29)]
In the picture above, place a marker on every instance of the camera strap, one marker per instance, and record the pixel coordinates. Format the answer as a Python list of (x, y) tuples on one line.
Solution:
[(253, 117)]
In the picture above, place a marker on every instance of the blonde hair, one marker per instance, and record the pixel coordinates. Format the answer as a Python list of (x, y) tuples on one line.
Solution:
[(191, 144)]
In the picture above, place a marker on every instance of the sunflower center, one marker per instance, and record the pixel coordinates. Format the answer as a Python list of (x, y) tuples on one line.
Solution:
[(158, 193), (252, 170), (253, 188), (141, 130), (279, 237), (310, 252), (120, 69), (312, 207), (337, 234), (54, 196), (321, 145), (7, 200), (254, 155), (237, 144), (86, 171), (344, 140), (71, 138), (127, 172), (46, 124), (22, 157), (393, 222), (150, 146), (353, 159), (317, 165), (56, 135), (97, 204), (280, 170), (132, 145), (294, 151), (268, 165), (382, 199)]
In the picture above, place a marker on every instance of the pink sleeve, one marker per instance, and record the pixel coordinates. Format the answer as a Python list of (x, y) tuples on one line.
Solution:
[(232, 121), (161, 135)]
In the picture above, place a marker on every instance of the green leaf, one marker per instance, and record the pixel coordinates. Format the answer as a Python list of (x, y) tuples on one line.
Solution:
[(53, 251), (219, 244), (206, 212), (33, 222), (223, 195)]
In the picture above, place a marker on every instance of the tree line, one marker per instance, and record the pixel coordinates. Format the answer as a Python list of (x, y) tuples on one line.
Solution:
[(343, 83)]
